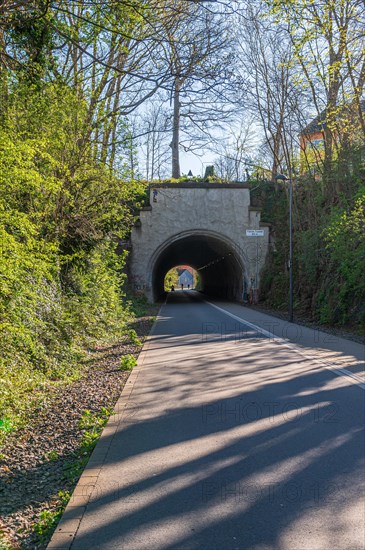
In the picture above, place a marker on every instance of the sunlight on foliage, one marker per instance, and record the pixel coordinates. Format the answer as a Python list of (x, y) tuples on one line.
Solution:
[(61, 215), (128, 362)]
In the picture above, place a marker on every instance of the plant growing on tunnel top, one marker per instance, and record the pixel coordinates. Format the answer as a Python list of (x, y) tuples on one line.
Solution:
[(128, 362)]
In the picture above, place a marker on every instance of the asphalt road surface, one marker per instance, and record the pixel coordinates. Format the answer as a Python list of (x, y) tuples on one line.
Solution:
[(228, 437)]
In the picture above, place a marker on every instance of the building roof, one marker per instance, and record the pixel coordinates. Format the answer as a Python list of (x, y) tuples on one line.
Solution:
[(318, 124)]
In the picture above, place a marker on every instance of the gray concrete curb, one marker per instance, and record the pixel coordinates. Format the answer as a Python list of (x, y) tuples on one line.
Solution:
[(69, 523)]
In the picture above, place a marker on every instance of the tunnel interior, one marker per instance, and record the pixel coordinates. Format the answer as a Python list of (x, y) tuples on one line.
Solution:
[(220, 270)]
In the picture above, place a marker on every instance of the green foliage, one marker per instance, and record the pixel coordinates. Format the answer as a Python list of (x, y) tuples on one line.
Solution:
[(171, 278), (52, 456), (138, 305), (48, 519), (275, 276), (61, 215), (6, 425), (73, 468), (329, 253), (133, 337), (4, 545), (29, 32), (92, 424), (128, 362), (344, 238), (89, 439), (94, 421), (197, 281)]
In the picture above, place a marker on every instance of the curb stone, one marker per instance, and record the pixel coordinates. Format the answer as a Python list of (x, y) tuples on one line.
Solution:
[(65, 532)]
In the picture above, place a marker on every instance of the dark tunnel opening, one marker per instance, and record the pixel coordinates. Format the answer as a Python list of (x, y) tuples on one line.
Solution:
[(220, 269)]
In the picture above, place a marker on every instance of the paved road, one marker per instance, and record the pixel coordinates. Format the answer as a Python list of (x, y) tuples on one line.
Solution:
[(228, 438)]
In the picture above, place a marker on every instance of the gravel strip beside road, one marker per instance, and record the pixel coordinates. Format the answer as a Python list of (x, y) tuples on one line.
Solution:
[(304, 321), (30, 479)]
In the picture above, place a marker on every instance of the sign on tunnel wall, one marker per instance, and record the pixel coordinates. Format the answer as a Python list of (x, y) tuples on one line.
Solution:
[(255, 233)]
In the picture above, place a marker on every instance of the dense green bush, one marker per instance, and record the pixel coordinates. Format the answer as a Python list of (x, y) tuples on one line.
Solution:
[(344, 237), (61, 215), (329, 251)]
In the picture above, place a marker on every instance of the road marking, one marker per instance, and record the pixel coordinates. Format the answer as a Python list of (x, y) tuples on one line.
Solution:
[(338, 371)]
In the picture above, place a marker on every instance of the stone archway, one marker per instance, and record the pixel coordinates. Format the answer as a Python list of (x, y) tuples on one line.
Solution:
[(221, 266), (202, 225)]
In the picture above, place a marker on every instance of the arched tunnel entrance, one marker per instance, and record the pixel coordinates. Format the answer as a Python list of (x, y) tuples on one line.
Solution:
[(220, 267)]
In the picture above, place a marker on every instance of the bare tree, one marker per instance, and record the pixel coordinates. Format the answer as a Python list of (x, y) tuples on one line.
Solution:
[(154, 132), (106, 55), (270, 95), (327, 44), (233, 159), (195, 49)]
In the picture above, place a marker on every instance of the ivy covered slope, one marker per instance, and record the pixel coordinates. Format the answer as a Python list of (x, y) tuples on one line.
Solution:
[(328, 250), (61, 213)]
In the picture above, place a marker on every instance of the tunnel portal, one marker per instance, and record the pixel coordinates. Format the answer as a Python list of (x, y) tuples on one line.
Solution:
[(220, 270), (211, 227)]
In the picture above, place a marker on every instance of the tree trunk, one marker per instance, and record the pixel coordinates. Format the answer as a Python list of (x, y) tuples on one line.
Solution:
[(176, 131), (276, 153), (4, 87), (113, 145), (330, 181)]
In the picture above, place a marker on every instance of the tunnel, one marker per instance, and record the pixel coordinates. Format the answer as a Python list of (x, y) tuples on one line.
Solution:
[(217, 262)]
